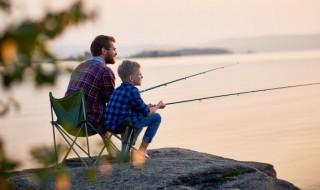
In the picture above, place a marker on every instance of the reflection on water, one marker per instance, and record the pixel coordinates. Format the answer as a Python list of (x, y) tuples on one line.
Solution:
[(278, 127)]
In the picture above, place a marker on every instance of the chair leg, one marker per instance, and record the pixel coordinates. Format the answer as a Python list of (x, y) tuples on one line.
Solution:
[(107, 141), (126, 145), (98, 157), (55, 144), (71, 147), (86, 129), (54, 134), (77, 145)]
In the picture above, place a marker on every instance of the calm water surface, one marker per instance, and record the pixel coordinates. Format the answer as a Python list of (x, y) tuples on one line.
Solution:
[(278, 127)]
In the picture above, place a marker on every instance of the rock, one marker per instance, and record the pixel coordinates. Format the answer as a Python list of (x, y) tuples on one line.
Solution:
[(168, 168)]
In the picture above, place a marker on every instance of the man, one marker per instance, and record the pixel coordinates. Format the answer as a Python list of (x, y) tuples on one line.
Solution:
[(96, 79)]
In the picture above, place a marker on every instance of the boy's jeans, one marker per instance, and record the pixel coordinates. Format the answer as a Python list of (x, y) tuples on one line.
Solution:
[(152, 123)]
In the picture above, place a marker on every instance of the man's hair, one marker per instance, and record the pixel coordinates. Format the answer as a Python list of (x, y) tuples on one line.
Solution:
[(100, 42), (127, 68)]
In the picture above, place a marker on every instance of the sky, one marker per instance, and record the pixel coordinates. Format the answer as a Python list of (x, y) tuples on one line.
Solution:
[(180, 22)]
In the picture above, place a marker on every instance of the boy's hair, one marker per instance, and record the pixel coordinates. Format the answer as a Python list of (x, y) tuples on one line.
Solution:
[(127, 68), (100, 42)]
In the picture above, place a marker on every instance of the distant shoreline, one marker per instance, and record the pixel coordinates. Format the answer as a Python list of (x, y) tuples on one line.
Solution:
[(162, 53), (271, 43), (180, 52)]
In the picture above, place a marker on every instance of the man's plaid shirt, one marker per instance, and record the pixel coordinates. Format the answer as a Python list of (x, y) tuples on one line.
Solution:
[(125, 102), (98, 82)]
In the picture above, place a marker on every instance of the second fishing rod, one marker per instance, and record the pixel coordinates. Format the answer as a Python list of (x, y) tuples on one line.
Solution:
[(240, 93), (185, 78)]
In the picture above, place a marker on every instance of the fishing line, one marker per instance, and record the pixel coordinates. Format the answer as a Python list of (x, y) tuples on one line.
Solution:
[(184, 78), (239, 93)]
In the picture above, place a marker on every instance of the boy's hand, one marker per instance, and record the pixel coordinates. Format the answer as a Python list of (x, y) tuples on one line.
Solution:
[(161, 105), (151, 105)]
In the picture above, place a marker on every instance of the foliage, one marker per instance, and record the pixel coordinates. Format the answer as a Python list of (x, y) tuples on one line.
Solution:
[(23, 50), (5, 165), (48, 176), (5, 5), (47, 157), (23, 47)]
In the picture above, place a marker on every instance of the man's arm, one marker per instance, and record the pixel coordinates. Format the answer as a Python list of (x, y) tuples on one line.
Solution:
[(108, 85)]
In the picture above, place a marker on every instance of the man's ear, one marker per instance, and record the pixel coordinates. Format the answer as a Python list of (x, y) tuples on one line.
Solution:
[(103, 51)]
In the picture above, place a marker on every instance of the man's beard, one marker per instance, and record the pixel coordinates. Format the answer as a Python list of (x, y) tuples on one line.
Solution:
[(110, 60)]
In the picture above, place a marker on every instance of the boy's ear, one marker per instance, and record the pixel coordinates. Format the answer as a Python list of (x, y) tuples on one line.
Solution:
[(131, 78)]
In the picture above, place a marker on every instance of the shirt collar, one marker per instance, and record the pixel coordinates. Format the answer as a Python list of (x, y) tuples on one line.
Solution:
[(127, 83), (97, 58)]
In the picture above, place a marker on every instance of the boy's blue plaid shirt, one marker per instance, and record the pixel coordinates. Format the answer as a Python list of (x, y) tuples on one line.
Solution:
[(125, 102)]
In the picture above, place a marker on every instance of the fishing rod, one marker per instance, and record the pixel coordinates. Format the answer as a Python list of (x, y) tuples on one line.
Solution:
[(239, 93), (184, 78)]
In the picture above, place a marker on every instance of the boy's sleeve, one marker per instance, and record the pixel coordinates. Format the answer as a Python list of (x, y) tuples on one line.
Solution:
[(138, 104)]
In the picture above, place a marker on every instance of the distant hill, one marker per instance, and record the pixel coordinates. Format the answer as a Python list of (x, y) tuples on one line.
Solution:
[(269, 43), (180, 52)]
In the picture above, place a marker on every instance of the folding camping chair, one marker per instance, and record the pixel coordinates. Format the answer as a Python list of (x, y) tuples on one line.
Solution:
[(70, 114)]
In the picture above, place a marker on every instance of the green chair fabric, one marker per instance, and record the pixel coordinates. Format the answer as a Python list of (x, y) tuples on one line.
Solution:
[(70, 112)]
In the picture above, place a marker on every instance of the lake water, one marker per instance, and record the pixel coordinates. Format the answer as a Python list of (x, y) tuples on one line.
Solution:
[(280, 127)]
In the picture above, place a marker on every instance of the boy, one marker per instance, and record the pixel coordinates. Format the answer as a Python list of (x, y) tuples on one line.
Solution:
[(125, 102)]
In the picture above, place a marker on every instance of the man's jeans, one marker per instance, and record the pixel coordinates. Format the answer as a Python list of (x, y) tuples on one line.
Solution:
[(152, 123)]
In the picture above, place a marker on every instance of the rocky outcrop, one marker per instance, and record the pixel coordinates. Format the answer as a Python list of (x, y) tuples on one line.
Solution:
[(168, 168)]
